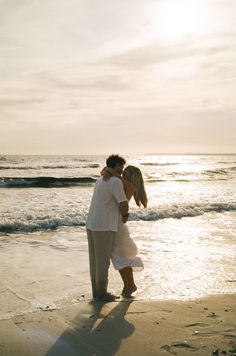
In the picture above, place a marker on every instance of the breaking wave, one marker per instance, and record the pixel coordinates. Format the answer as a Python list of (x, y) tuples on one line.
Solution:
[(47, 224), (22, 224), (44, 182), (178, 212)]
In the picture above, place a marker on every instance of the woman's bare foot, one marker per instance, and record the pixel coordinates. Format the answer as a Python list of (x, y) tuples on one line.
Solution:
[(127, 292)]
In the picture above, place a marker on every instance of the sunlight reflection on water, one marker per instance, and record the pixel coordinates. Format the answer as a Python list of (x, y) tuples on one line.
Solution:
[(185, 258)]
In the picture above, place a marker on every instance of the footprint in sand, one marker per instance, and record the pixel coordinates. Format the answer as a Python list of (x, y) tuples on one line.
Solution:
[(183, 345), (168, 349), (196, 324), (230, 336), (180, 345), (212, 315), (213, 333)]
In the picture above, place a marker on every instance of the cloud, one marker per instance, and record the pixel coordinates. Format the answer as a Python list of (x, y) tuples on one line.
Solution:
[(19, 102), (86, 80), (89, 67), (153, 53), (11, 109)]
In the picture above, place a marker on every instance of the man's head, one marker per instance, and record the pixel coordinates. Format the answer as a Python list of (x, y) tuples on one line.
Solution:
[(116, 162)]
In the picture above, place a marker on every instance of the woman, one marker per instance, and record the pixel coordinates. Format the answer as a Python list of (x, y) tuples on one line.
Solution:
[(124, 255)]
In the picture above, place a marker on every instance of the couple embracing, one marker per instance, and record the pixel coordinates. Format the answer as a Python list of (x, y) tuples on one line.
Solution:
[(107, 232)]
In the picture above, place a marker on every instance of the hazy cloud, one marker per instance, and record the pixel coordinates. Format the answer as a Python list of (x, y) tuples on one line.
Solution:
[(75, 69), (87, 80), (153, 53)]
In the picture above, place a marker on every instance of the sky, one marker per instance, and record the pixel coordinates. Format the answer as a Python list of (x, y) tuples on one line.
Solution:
[(121, 76)]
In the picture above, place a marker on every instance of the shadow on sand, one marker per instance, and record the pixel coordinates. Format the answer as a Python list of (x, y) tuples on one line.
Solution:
[(97, 332)]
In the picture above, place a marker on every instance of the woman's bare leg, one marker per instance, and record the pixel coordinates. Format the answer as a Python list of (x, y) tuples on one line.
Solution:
[(128, 279), (124, 279), (132, 287)]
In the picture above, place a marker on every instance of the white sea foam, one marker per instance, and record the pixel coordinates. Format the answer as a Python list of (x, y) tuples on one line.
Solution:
[(30, 223)]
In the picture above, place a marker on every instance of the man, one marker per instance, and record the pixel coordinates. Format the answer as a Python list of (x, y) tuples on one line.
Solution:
[(108, 202)]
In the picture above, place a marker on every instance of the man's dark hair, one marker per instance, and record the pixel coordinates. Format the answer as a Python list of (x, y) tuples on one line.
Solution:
[(113, 160)]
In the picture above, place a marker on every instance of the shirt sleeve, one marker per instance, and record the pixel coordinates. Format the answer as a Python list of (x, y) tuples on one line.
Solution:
[(118, 191)]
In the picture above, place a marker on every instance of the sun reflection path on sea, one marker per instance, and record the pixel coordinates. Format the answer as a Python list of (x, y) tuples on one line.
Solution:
[(185, 258), (168, 168)]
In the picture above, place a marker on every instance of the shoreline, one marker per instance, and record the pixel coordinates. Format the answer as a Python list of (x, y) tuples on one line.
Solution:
[(204, 326), (86, 298)]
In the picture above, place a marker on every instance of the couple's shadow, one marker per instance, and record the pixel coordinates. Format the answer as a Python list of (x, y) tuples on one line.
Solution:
[(99, 331)]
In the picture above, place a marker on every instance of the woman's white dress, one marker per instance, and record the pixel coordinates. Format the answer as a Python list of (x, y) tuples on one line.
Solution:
[(125, 251)]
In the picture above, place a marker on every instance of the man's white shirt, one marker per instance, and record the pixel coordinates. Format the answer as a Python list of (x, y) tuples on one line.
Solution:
[(104, 209)]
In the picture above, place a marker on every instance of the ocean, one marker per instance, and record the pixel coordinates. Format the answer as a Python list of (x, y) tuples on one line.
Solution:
[(186, 236)]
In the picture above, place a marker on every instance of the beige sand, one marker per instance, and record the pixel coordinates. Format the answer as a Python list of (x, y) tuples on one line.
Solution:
[(201, 327)]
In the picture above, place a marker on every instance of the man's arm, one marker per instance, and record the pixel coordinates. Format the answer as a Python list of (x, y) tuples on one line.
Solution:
[(124, 209)]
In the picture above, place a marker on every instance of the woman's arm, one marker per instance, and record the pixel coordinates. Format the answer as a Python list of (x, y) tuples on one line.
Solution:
[(108, 172), (129, 188)]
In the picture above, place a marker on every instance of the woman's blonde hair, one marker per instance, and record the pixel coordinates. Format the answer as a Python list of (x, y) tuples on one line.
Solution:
[(134, 176)]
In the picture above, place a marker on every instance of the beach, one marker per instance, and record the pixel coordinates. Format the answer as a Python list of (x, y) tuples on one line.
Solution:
[(204, 326), (151, 82), (185, 302), (46, 306)]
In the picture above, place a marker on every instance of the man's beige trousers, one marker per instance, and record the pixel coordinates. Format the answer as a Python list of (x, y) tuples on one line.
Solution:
[(100, 245)]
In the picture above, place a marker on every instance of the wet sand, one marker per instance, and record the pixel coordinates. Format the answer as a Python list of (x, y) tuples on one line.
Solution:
[(205, 326)]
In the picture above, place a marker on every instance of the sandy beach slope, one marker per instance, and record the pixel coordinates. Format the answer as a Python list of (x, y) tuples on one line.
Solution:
[(205, 326)]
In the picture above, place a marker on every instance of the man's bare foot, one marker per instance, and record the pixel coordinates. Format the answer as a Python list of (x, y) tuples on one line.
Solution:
[(127, 292), (107, 297)]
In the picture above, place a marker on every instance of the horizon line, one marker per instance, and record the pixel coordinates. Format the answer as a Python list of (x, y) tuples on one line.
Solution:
[(129, 154)]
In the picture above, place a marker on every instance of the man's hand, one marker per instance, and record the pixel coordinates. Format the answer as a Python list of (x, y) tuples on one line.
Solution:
[(124, 209), (125, 218)]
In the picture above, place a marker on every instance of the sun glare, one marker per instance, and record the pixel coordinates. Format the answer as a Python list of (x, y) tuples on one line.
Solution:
[(176, 19)]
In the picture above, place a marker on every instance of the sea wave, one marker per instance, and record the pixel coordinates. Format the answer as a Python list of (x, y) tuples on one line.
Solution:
[(151, 214), (210, 174), (158, 164), (66, 166), (37, 225), (156, 180), (227, 162), (219, 171), (45, 182), (178, 211), (17, 167)]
